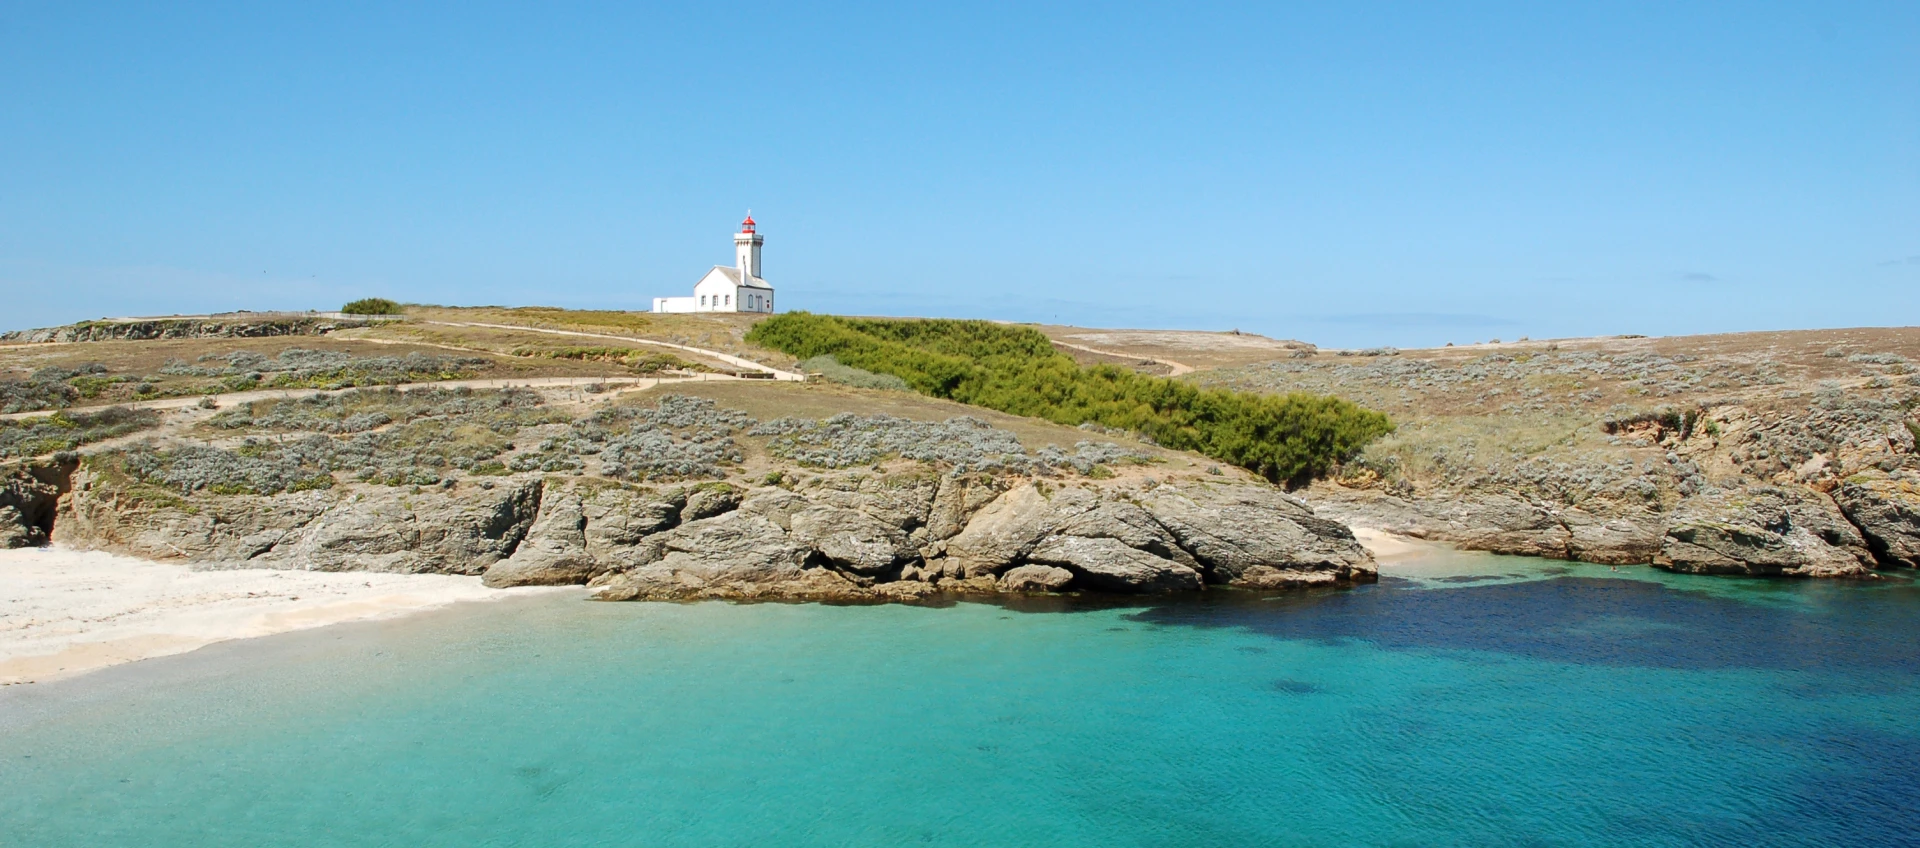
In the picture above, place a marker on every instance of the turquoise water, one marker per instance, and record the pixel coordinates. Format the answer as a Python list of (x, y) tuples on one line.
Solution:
[(1490, 701)]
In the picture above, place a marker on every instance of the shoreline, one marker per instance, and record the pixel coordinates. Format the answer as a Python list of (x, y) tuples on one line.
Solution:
[(67, 612)]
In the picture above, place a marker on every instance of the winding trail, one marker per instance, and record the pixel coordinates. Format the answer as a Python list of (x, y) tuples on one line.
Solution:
[(728, 358), (1179, 368), (229, 398)]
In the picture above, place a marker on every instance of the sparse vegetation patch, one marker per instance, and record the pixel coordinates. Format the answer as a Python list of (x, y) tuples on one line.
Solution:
[(68, 430)]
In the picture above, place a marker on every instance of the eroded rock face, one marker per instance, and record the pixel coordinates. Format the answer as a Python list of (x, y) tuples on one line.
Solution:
[(554, 552), (1233, 529), (846, 537), (382, 529), (850, 538), (1035, 578), (27, 508), (1109, 565), (1887, 511), (1771, 531)]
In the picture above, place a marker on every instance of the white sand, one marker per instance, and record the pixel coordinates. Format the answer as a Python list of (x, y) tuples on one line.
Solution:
[(64, 612), (1390, 548)]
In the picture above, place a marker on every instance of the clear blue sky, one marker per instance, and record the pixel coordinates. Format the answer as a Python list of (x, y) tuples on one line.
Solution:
[(1345, 173)]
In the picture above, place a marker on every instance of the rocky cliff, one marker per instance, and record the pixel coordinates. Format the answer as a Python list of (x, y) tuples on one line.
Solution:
[(1765, 454), (673, 497), (851, 536)]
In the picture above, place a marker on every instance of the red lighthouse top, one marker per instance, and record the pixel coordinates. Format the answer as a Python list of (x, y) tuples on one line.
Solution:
[(747, 225)]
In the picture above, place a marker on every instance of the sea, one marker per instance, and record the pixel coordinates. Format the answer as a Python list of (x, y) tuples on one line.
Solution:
[(1465, 699)]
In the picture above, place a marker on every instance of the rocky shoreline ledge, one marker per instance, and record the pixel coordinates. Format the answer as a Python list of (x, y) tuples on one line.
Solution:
[(670, 497)]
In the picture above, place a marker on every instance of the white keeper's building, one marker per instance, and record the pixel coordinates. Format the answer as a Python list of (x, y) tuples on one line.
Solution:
[(723, 289)]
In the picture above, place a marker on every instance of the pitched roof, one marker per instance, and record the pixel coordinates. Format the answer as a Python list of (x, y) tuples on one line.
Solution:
[(733, 275)]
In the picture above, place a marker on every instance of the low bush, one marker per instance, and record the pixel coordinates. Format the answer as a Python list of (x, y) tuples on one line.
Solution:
[(372, 306), (68, 430)]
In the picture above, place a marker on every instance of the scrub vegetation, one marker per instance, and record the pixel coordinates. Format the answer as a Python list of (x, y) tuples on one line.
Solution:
[(372, 306), (68, 430), (1288, 438)]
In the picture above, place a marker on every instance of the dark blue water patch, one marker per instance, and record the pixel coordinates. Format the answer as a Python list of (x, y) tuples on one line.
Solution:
[(1294, 687), (1588, 621)]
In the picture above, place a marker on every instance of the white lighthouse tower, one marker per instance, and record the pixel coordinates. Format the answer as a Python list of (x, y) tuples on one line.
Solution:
[(723, 289)]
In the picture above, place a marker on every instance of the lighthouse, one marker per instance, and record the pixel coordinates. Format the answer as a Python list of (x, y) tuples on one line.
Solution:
[(723, 289)]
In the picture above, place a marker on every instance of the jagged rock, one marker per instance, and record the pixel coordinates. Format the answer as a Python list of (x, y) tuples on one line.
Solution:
[(1611, 541), (901, 500), (774, 504), (734, 555), (1003, 532), (1785, 531), (709, 501), (1230, 530), (1887, 511), (1506, 525), (158, 525), (554, 552), (850, 538), (620, 523), (1130, 525), (391, 530), (27, 508), (960, 496), (14, 529), (1035, 578), (1108, 565)]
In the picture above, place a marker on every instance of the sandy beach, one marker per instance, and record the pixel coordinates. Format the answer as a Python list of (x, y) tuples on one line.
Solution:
[(65, 612)]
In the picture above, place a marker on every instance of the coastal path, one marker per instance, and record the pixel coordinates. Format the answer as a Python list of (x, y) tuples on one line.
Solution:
[(1179, 368), (730, 359)]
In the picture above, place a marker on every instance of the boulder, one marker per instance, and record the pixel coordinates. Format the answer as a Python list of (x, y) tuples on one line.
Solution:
[(1231, 529), (1035, 578), (1132, 526), (710, 500), (554, 552), (959, 496), (735, 555), (1108, 565), (1004, 531), (1612, 541), (850, 538), (1887, 511)]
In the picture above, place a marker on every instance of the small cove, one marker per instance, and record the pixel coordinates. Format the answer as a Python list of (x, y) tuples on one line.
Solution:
[(1465, 700)]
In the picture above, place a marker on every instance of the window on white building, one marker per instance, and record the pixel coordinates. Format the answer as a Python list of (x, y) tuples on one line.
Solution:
[(703, 300)]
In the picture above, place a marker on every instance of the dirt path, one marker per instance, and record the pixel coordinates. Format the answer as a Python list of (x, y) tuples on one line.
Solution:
[(728, 358), (1179, 368), (231, 398)]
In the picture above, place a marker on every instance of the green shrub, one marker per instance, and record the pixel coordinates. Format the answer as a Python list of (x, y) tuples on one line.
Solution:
[(1286, 438), (372, 306)]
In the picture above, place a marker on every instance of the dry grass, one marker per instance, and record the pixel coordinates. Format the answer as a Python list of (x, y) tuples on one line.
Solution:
[(719, 331)]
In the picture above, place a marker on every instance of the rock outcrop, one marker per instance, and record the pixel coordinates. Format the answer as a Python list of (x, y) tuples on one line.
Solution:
[(1887, 511), (846, 536), (1772, 531), (371, 529), (235, 326)]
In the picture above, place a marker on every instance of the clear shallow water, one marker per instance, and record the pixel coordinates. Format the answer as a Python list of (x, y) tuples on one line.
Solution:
[(1478, 701)]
